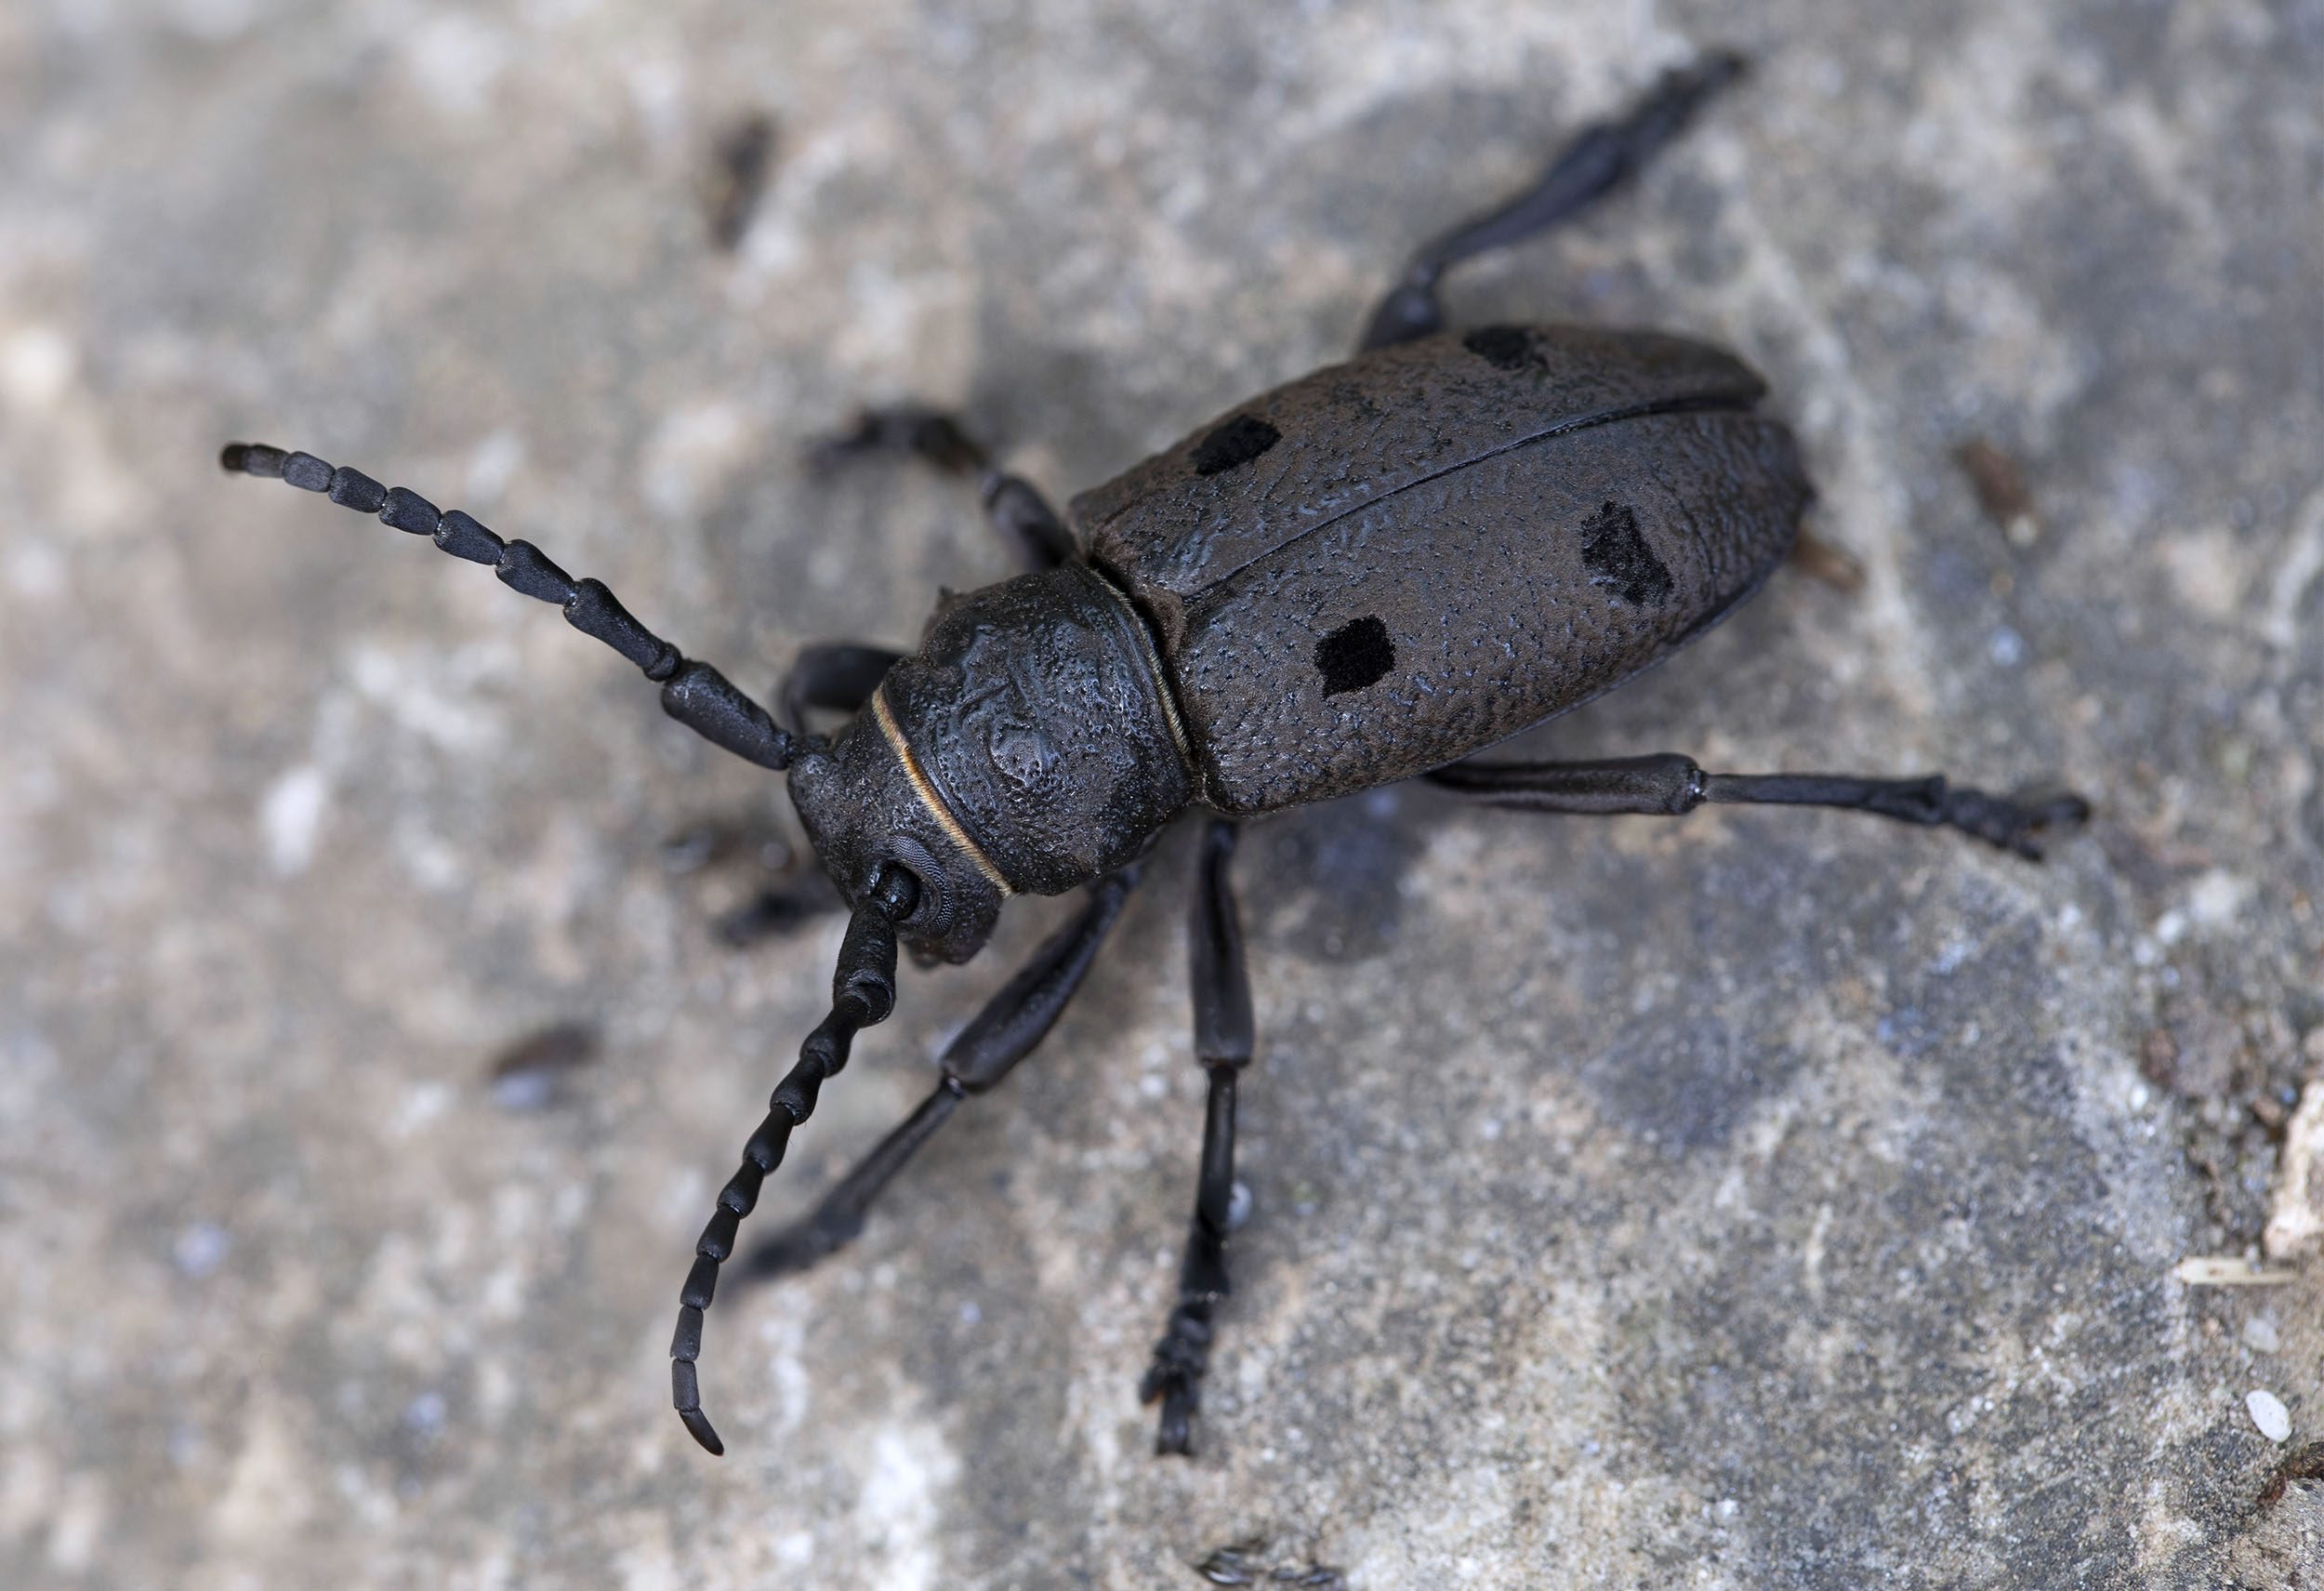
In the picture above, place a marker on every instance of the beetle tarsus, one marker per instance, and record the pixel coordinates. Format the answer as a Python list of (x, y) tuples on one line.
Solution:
[(1175, 1377)]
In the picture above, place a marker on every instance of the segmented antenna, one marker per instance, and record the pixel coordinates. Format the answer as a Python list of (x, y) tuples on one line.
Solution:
[(694, 693), (862, 994)]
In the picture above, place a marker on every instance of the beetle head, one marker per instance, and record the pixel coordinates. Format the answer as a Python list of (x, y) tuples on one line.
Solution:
[(862, 811)]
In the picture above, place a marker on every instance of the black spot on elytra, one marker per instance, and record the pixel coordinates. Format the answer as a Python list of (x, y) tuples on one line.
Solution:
[(1234, 441), (1618, 558), (1355, 655), (1504, 348)]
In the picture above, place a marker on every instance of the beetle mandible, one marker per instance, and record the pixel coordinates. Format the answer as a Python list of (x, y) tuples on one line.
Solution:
[(1362, 577)]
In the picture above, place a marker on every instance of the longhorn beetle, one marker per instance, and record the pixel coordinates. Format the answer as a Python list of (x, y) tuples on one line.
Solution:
[(1362, 577)]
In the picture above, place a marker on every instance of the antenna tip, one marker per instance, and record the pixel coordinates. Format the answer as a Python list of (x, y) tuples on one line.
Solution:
[(698, 1425)]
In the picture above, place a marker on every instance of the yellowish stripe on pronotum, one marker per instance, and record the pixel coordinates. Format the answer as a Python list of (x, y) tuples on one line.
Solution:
[(927, 792)]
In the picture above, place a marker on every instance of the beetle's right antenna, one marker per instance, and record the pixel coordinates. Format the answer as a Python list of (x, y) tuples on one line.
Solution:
[(694, 693), (863, 992)]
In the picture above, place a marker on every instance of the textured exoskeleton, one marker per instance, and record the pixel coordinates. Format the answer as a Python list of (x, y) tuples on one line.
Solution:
[(1369, 572)]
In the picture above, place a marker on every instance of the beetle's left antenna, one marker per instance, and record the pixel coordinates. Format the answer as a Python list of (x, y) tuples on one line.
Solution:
[(863, 992), (694, 693)]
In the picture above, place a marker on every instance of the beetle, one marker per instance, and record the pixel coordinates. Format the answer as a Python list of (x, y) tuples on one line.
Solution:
[(1364, 576)]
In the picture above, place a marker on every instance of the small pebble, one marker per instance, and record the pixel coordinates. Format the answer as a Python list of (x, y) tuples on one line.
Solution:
[(2259, 1335), (2269, 1414)]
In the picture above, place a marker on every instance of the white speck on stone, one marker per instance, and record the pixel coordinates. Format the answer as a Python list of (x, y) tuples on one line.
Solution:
[(2007, 648), (36, 364), (897, 1508), (79, 1524), (970, 1314), (36, 571), (422, 1104), (690, 453), (2269, 1414), (2218, 899), (201, 1248), (796, 1550), (2259, 1335), (291, 816), (2171, 927), (456, 59), (213, 20), (2296, 1222), (492, 464)]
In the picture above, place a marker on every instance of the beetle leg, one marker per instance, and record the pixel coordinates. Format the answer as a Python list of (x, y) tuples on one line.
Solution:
[(1012, 1023), (838, 676), (1594, 162), (1670, 784), (901, 427), (1013, 506), (1224, 1037)]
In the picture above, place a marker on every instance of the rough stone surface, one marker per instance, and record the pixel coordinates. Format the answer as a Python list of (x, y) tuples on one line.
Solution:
[(1764, 1199)]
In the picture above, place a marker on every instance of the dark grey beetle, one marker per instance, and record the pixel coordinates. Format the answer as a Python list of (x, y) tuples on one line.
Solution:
[(1364, 576)]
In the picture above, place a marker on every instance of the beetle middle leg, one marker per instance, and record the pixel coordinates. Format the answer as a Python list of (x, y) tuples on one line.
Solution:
[(1012, 1024), (1224, 1037), (1669, 784), (1592, 164), (1032, 531)]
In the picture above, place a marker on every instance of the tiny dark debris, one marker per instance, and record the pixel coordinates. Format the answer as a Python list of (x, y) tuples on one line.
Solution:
[(1618, 558), (2159, 1058), (737, 176), (1504, 348), (2001, 488), (1355, 655), (2302, 1464), (529, 1074), (1232, 1565), (1234, 443), (1819, 560)]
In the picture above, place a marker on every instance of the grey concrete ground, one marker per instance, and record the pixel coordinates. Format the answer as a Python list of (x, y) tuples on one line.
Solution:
[(1765, 1200)]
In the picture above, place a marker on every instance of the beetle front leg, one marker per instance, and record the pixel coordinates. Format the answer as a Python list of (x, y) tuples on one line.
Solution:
[(1012, 1024), (1670, 784), (1225, 1037), (838, 676), (1032, 531)]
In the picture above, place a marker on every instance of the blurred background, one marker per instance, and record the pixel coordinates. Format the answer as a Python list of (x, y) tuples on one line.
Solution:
[(1764, 1199)]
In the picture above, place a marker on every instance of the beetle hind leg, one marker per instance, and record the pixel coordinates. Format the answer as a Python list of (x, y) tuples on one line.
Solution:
[(1224, 1037), (1595, 162), (1670, 785)]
